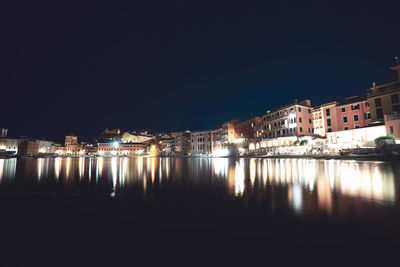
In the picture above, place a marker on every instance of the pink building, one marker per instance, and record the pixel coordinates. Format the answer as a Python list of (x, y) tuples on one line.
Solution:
[(353, 112), (392, 123)]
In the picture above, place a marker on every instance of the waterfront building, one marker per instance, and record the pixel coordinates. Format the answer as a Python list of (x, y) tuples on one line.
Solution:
[(9, 144), (201, 142), (133, 137), (71, 140), (324, 118), (116, 148), (353, 112), (293, 119), (90, 149), (46, 147), (244, 129), (60, 150), (28, 147), (71, 145), (167, 145), (358, 137), (216, 139), (392, 124), (182, 142), (385, 99)]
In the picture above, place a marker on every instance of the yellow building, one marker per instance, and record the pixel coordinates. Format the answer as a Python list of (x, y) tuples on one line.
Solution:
[(385, 99)]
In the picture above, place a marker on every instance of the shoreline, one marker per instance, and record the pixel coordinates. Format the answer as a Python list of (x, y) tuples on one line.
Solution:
[(316, 157)]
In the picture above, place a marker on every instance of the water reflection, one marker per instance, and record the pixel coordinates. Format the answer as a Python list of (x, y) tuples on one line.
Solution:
[(304, 185)]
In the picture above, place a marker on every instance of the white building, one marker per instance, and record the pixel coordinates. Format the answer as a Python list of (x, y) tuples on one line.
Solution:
[(133, 137), (359, 137), (201, 142), (46, 147), (9, 144)]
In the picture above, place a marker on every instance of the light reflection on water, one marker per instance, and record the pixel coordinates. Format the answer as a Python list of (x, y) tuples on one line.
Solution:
[(305, 184)]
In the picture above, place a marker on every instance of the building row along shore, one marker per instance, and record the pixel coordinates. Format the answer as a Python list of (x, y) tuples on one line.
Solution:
[(297, 128)]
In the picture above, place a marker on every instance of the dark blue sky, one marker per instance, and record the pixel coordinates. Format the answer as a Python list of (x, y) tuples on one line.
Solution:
[(172, 65)]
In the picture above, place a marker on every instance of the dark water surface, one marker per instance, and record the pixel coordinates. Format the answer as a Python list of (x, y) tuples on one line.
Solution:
[(200, 209)]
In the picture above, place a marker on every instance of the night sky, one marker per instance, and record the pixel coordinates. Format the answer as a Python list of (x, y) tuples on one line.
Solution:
[(173, 65)]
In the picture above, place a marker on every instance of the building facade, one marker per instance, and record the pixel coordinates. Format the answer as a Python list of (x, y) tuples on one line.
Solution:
[(385, 99), (352, 113), (182, 142), (201, 142), (324, 118), (28, 147), (392, 124), (294, 119), (115, 148)]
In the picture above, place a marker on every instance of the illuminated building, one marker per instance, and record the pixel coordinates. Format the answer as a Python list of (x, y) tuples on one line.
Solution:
[(46, 147), (392, 124), (324, 118), (294, 119), (115, 148), (200, 142), (244, 129), (133, 137), (363, 137), (353, 112), (167, 145), (71, 145), (385, 99), (182, 142), (90, 149), (71, 140), (9, 144)]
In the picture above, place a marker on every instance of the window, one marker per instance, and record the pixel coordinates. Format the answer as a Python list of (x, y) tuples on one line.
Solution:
[(396, 108), (395, 98), (367, 104), (356, 117), (357, 126), (309, 121), (378, 102), (328, 112), (328, 122), (391, 130), (379, 113), (300, 120), (299, 109), (301, 129), (355, 107), (367, 116), (309, 110), (346, 128), (344, 119), (343, 109), (329, 130)]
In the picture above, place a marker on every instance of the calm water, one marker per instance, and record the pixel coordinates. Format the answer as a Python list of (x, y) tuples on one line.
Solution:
[(199, 209), (302, 186)]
